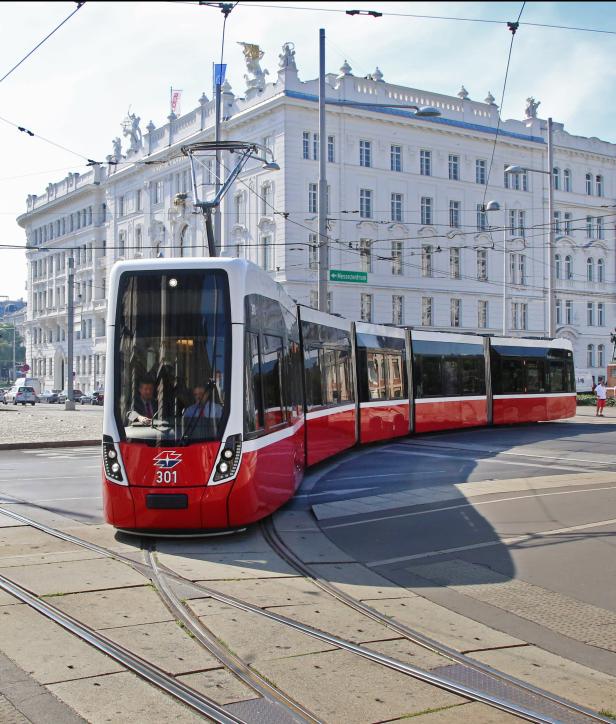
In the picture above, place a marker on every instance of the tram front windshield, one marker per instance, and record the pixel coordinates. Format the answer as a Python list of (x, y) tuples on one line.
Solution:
[(172, 352)]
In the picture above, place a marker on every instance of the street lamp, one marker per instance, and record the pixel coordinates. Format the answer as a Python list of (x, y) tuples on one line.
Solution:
[(495, 206), (420, 111), (551, 311)]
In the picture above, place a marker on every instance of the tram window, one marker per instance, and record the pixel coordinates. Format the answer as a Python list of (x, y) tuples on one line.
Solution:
[(473, 376), (314, 394), (451, 382), (271, 364), (329, 378), (376, 376), (558, 382), (511, 375), (428, 376), (395, 377), (294, 381), (253, 421), (535, 375), (345, 376)]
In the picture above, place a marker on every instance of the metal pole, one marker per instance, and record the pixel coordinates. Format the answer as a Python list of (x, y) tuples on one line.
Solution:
[(70, 333), (14, 333), (217, 166), (322, 210), (505, 271), (551, 311)]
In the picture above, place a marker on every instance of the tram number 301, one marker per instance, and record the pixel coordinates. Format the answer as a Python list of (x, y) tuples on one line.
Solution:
[(166, 476)]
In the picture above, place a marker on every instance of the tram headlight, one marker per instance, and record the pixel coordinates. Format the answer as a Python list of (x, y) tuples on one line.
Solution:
[(229, 461), (173, 282), (111, 463)]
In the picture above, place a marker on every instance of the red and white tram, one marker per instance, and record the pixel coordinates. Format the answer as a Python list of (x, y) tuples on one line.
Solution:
[(221, 390)]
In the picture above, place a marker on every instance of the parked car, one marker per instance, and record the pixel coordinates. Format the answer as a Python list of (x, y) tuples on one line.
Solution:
[(25, 396), (49, 397), (3, 397), (86, 399), (98, 398), (77, 395)]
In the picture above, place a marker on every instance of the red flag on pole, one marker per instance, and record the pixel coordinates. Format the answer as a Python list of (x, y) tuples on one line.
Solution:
[(176, 101)]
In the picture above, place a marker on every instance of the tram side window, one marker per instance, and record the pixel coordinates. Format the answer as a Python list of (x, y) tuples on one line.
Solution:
[(329, 377), (345, 376), (314, 394), (557, 376), (428, 376), (511, 375), (395, 377), (377, 389), (535, 375), (451, 383), (473, 376), (253, 419), (271, 369)]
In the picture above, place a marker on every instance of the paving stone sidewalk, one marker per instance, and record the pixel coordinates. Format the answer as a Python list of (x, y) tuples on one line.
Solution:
[(46, 423)]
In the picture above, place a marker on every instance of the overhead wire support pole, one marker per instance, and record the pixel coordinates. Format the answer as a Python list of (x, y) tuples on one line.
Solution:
[(70, 333), (551, 307), (323, 248)]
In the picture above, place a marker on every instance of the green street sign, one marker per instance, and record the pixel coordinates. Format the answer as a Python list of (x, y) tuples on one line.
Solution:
[(338, 275)]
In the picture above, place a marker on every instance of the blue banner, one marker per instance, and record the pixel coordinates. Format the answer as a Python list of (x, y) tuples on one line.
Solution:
[(220, 70)]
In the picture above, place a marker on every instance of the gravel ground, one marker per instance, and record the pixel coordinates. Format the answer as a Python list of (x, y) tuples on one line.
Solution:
[(49, 423)]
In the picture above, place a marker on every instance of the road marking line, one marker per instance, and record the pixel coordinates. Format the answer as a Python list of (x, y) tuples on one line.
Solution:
[(385, 475), (57, 500), (461, 505), (488, 460), (488, 544)]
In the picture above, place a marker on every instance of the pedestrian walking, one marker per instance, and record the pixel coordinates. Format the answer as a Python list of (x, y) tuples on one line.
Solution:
[(601, 393)]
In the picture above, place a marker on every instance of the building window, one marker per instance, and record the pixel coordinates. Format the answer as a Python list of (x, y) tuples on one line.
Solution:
[(314, 299), (138, 239), (559, 311), (313, 198), (482, 218), (589, 227), (365, 254), (517, 269), (568, 267), (121, 243), (395, 158), (482, 314), (268, 253), (589, 184), (599, 185), (366, 308), (454, 214), (480, 171), (556, 178), (426, 261), (520, 315), (558, 266), (590, 355), (567, 180), (455, 312), (365, 153), (600, 355), (306, 145), (426, 210), (331, 149), (482, 265), (590, 270), (454, 167), (396, 258), (397, 309), (516, 181), (590, 314), (365, 203), (157, 192), (600, 314), (568, 223), (557, 227), (396, 207), (425, 163), (426, 311), (601, 270), (138, 200), (599, 225), (568, 311), (238, 209), (313, 252), (454, 263)]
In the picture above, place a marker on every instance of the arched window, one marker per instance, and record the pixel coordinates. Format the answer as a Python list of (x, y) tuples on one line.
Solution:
[(600, 355), (589, 184), (590, 269), (567, 179), (590, 355), (556, 176), (600, 270), (599, 185), (558, 266), (568, 267)]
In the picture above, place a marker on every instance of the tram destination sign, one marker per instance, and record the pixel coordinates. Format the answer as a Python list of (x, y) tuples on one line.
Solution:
[(339, 275)]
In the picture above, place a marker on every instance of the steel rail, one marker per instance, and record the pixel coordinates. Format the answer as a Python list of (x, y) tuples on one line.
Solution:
[(150, 673), (441, 682), (232, 662), (279, 546)]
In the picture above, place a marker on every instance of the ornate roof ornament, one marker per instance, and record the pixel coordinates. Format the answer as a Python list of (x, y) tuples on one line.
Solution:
[(489, 99), (255, 78), (286, 59), (463, 93), (130, 128), (531, 107), (226, 88), (377, 75), (345, 69)]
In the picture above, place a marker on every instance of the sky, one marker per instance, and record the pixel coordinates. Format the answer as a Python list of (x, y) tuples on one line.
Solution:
[(111, 56)]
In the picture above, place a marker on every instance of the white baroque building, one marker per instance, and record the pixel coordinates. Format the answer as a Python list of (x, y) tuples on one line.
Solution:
[(405, 199)]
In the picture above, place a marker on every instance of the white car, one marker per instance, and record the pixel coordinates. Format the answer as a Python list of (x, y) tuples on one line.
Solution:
[(3, 397), (25, 396)]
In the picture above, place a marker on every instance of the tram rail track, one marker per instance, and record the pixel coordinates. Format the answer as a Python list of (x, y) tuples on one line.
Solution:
[(575, 713)]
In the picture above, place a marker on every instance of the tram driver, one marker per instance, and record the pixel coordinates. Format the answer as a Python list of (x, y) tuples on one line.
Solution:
[(145, 406)]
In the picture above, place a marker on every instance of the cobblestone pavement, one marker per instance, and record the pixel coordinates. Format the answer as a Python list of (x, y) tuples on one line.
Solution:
[(49, 423)]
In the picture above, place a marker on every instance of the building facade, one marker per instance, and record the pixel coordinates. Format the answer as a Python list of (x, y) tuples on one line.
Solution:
[(405, 207)]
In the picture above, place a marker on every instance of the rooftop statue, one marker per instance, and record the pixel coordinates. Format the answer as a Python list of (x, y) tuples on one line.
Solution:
[(286, 59), (130, 127), (531, 107), (256, 77)]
